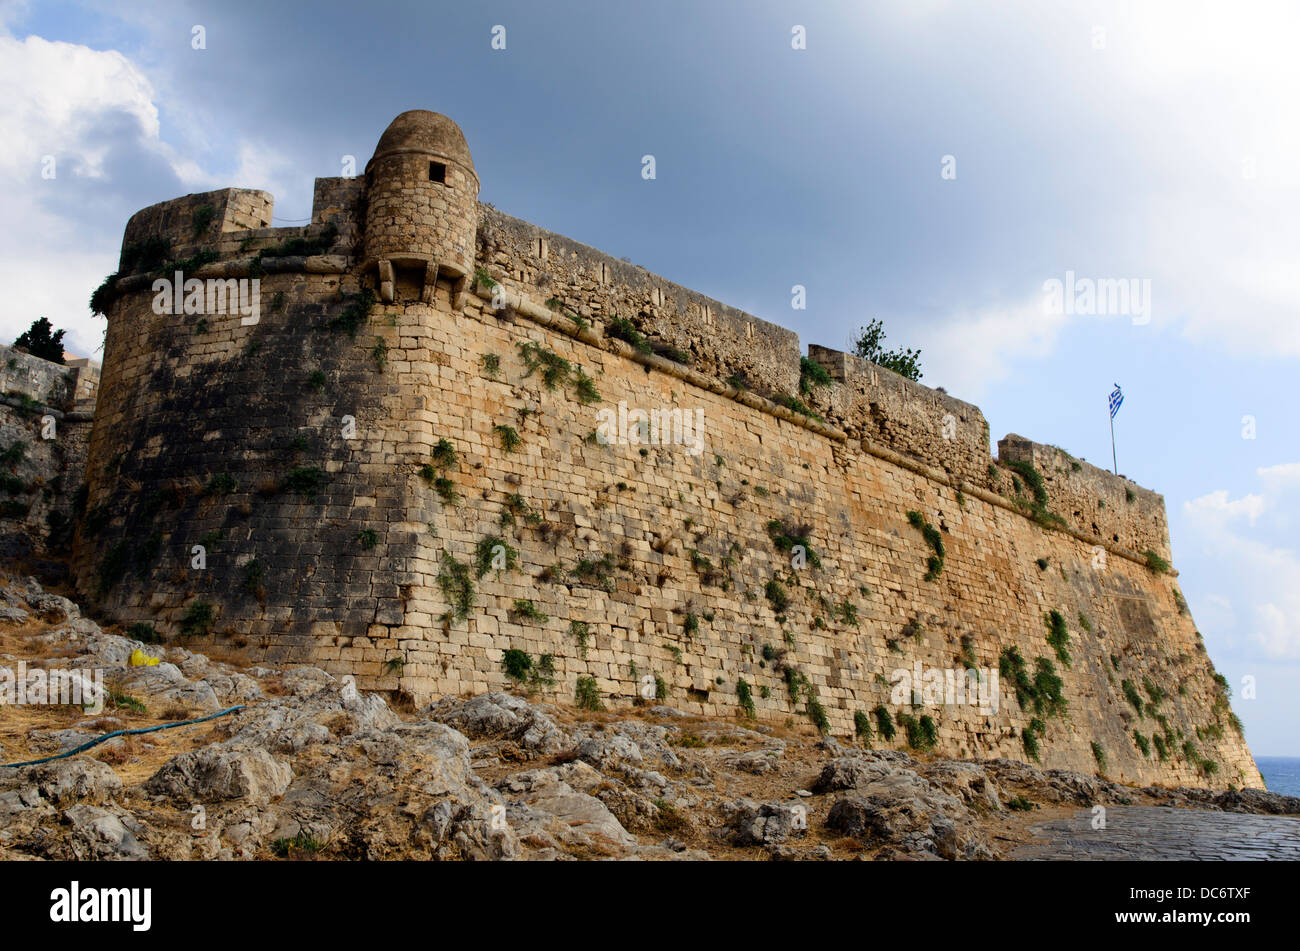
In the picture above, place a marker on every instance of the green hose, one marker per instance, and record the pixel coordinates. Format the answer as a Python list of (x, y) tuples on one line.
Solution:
[(108, 736)]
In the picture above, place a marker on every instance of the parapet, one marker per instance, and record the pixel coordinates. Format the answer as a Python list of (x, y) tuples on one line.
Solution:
[(52, 384), (1098, 503), (715, 339), (880, 406), (338, 202), (196, 220)]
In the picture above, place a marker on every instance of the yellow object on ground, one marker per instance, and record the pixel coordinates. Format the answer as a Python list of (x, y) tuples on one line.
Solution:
[(140, 659)]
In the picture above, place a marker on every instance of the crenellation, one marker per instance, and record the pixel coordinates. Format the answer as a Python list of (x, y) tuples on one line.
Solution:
[(180, 221)]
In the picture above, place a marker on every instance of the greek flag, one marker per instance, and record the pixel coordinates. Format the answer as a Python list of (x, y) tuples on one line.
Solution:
[(1116, 397)]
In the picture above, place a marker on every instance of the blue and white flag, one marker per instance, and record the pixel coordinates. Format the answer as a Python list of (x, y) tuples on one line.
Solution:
[(1116, 397)]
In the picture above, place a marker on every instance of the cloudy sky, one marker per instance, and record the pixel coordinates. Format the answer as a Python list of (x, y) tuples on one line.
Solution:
[(1150, 141)]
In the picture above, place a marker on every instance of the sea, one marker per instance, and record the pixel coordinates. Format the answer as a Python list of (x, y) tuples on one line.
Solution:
[(1281, 773)]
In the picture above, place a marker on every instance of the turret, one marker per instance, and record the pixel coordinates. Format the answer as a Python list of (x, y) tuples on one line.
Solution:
[(422, 200)]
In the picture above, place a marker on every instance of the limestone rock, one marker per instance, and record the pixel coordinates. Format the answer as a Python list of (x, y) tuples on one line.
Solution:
[(215, 774), (606, 751), (540, 797), (305, 681), (967, 780), (905, 812), (12, 614), (501, 716), (766, 824), (76, 779), (165, 684), (756, 762), (406, 790), (100, 834), (847, 772)]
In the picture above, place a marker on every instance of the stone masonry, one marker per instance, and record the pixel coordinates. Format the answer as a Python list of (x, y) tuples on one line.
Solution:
[(404, 469)]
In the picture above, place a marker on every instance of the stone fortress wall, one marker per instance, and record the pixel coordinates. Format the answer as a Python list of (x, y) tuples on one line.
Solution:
[(301, 453), (46, 410), (53, 384)]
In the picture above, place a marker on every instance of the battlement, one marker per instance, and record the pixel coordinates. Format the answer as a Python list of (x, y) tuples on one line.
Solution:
[(714, 338), (195, 221), (879, 406), (869, 404), (1110, 508)]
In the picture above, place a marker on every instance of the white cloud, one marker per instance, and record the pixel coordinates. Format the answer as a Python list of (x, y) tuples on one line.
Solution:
[(1216, 508), (1204, 200), (1277, 631), (1216, 87), (1280, 474), (96, 113), (1235, 534), (972, 350), (53, 92), (88, 109)]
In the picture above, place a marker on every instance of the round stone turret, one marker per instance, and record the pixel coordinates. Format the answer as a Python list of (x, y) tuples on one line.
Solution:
[(422, 203)]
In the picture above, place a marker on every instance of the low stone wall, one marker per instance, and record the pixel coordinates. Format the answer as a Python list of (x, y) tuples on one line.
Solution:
[(50, 383)]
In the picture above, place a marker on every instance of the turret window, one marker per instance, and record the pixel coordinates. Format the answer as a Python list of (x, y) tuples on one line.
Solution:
[(438, 173)]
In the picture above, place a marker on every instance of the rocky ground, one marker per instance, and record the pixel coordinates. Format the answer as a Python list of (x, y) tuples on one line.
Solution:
[(310, 769)]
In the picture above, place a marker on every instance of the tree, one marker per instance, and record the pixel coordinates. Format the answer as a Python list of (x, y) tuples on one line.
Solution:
[(42, 340), (867, 344)]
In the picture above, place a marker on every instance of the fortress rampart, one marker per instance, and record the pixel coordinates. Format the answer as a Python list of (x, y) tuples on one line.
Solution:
[(401, 471)]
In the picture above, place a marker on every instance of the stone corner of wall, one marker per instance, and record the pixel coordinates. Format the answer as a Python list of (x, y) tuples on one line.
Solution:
[(335, 196), (178, 219), (1015, 448), (1118, 508)]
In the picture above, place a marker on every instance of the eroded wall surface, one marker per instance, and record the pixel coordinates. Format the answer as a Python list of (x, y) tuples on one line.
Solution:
[(302, 458)]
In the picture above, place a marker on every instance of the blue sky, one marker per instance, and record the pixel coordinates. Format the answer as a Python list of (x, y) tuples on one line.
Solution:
[(1154, 141)]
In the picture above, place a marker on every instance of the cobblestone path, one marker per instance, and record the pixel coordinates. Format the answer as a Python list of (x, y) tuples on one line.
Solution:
[(1164, 832)]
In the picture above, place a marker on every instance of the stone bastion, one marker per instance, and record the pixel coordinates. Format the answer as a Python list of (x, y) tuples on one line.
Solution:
[(439, 449)]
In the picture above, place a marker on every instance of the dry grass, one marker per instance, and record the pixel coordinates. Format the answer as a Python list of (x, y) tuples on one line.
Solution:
[(133, 758)]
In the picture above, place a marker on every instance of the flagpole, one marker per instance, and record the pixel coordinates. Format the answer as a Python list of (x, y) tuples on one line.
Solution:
[(1114, 408), (1113, 458)]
